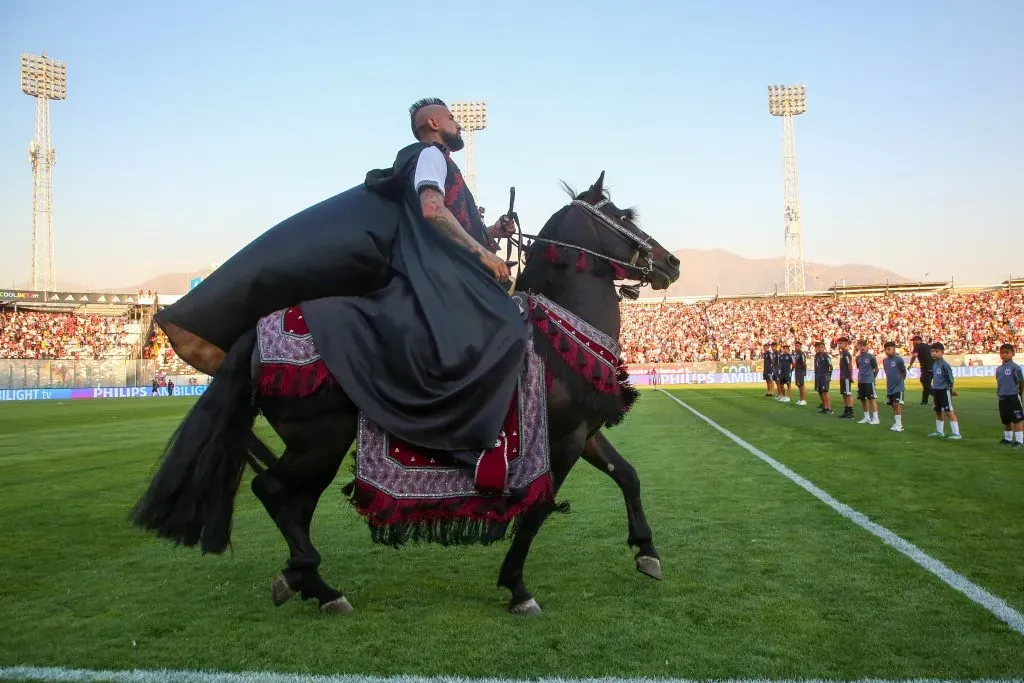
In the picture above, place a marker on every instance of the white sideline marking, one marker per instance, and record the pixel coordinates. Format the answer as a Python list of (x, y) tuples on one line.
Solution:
[(39, 673), (992, 603)]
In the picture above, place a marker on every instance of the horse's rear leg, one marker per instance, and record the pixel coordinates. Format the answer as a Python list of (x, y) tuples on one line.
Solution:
[(564, 455), (600, 453), (290, 491)]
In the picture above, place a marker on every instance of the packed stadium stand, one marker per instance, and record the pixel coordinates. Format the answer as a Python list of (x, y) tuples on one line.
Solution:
[(653, 331), (41, 335), (730, 329)]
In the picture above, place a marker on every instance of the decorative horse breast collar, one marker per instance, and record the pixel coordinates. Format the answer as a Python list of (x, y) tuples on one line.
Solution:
[(591, 353)]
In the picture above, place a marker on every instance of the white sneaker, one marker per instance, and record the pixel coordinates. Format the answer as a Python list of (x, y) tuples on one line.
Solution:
[(864, 421), (955, 437), (896, 428), (875, 421), (801, 403), (785, 399)]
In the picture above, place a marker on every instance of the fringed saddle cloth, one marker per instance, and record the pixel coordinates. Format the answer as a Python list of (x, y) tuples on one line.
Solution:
[(409, 494)]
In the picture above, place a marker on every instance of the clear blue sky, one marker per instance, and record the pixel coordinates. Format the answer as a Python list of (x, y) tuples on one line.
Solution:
[(191, 127)]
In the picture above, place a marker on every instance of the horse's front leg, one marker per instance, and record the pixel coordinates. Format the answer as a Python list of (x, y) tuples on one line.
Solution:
[(564, 455), (600, 453)]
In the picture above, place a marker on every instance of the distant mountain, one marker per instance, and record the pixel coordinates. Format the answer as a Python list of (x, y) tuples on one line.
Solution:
[(703, 273), (706, 272), (168, 283)]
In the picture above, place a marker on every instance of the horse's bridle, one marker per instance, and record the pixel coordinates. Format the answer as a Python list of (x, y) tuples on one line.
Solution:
[(640, 241)]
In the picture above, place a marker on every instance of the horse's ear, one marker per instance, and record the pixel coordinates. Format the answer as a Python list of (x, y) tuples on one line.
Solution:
[(599, 185)]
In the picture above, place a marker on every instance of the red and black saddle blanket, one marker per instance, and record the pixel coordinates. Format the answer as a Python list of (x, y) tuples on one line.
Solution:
[(410, 494)]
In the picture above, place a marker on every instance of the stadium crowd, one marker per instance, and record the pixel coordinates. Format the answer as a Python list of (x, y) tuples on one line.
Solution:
[(159, 349), (66, 336), (735, 329), (718, 330)]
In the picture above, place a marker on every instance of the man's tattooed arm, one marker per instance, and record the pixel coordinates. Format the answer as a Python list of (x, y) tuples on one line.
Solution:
[(438, 215)]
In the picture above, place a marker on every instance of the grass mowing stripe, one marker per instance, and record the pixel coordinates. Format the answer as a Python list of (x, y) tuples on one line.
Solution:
[(994, 604), (32, 673)]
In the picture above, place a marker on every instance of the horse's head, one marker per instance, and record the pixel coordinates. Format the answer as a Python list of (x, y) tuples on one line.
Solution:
[(604, 239)]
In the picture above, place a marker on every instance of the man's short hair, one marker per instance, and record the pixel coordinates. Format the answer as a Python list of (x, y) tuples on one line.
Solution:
[(1008, 347), (937, 346), (419, 104), (890, 345), (844, 339)]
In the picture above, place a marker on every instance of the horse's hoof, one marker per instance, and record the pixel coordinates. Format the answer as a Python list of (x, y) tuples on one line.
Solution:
[(280, 591), (529, 608), (338, 606), (651, 566)]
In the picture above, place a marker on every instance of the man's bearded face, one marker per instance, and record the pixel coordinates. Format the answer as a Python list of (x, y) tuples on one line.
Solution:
[(453, 140)]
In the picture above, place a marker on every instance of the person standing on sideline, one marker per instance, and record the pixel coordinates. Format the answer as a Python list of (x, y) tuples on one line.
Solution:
[(775, 370), (823, 377), (846, 377), (943, 393), (867, 372), (922, 353), (1010, 389), (785, 373), (895, 384), (768, 359), (800, 372)]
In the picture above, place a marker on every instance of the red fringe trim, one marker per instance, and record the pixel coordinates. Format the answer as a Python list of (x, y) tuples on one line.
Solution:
[(603, 378), (381, 510), (293, 381), (551, 254), (581, 262)]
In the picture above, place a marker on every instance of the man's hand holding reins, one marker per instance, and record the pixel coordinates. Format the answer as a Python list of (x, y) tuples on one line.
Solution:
[(503, 229)]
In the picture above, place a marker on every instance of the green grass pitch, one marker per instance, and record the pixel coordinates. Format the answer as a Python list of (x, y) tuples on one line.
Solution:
[(761, 579)]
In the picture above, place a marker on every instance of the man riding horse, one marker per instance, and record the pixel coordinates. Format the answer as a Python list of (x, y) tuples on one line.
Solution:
[(423, 330)]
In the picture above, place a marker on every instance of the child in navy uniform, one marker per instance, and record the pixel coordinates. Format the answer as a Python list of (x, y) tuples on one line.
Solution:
[(943, 393), (800, 372), (785, 365), (895, 386), (846, 377), (775, 370), (823, 377), (867, 372), (1010, 389), (768, 359)]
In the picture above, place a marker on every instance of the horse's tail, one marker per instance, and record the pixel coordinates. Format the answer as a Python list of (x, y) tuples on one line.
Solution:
[(191, 497)]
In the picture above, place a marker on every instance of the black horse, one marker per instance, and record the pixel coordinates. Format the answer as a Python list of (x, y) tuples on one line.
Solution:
[(574, 261)]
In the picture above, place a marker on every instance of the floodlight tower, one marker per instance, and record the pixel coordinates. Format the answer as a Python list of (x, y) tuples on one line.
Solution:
[(789, 101), (472, 116), (44, 79)]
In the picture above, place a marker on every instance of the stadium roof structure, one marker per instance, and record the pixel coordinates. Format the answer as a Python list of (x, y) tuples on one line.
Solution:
[(837, 290), (889, 288)]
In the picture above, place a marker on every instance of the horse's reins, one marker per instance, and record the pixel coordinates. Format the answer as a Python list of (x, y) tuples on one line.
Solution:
[(642, 245)]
